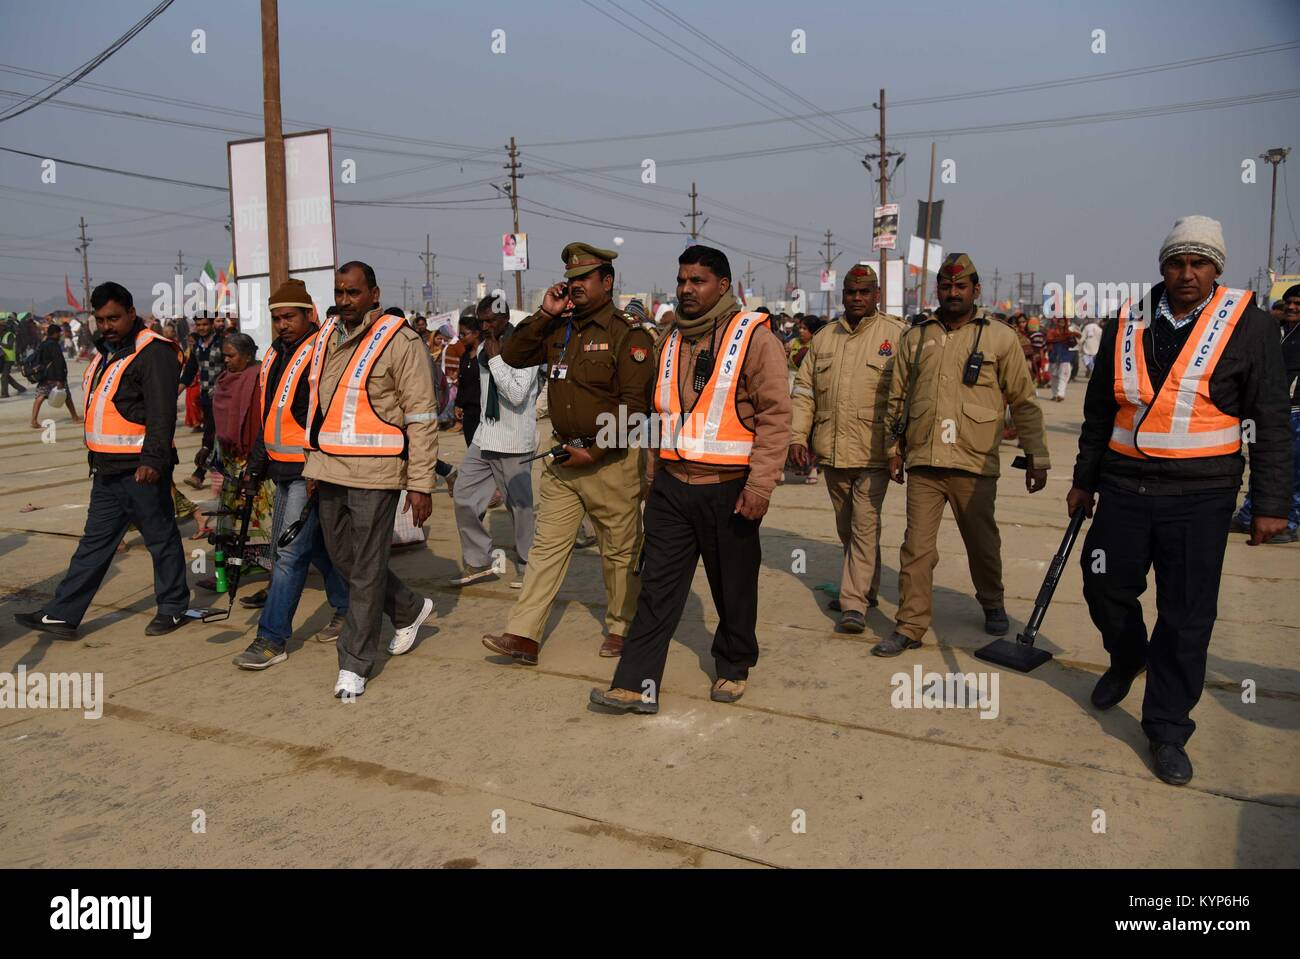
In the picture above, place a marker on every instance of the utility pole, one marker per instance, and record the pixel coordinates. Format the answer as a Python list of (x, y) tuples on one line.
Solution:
[(1284, 257), (795, 261), (925, 250), (429, 257), (180, 265), (406, 300), (829, 260), (277, 221), (515, 176), (1273, 157), (883, 158), (996, 281), (695, 213), (85, 265), (749, 275)]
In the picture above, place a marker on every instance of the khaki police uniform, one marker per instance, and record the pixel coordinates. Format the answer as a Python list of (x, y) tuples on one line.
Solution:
[(597, 362), (952, 439), (840, 397)]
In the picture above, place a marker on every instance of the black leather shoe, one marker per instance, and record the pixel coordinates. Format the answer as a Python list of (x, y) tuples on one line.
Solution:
[(996, 622), (165, 623), (851, 621), (1171, 763), (1114, 685), (895, 645)]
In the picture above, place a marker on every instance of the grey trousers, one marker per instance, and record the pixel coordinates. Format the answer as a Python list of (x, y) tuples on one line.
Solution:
[(481, 473), (358, 527)]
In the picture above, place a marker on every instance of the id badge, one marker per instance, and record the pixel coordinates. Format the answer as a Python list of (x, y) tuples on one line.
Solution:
[(560, 371)]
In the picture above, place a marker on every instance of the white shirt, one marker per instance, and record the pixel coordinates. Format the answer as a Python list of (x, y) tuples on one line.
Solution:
[(517, 392), (1091, 338)]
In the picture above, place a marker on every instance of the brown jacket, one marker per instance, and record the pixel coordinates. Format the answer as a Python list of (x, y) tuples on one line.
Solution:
[(955, 426), (401, 391), (763, 404), (842, 389), (607, 360)]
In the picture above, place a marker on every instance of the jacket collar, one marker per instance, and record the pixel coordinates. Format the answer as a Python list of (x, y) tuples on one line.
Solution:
[(862, 323)]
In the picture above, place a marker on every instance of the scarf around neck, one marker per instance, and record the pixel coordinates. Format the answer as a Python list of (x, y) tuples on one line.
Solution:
[(692, 329)]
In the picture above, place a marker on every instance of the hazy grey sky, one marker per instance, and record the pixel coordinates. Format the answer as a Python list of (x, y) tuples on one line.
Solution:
[(418, 99)]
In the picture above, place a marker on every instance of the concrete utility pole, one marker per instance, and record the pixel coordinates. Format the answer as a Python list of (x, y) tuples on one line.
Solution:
[(795, 248), (406, 299), (1284, 257), (429, 258), (1273, 157), (85, 265), (515, 177), (996, 281), (277, 221), (829, 260), (749, 275), (883, 159), (695, 213), (180, 265)]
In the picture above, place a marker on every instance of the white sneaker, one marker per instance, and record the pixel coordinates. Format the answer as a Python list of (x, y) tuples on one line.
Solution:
[(404, 638), (349, 685)]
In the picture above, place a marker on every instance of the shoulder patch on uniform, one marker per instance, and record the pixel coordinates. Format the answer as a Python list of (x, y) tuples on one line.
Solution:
[(639, 354), (886, 348)]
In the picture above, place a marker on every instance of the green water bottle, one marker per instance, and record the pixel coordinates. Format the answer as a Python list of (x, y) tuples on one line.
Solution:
[(223, 585)]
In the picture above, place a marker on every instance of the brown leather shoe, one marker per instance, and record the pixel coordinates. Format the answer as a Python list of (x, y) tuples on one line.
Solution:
[(624, 700), (518, 648), (612, 646)]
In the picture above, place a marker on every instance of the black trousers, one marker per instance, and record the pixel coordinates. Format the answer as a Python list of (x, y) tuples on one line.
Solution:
[(683, 523), (1184, 538), (115, 502), (6, 378)]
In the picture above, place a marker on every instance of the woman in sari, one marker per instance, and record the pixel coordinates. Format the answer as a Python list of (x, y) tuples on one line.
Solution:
[(236, 410)]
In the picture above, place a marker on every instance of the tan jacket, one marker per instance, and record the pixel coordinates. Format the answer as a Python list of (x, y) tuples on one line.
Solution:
[(401, 391), (956, 426), (842, 389)]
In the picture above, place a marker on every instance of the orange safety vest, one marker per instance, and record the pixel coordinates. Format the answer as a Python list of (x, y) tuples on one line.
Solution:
[(107, 430), (713, 432), (351, 426), (283, 437), (1180, 421)]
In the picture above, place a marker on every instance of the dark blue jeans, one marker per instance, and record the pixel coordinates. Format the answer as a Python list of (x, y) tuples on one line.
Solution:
[(1293, 519), (291, 565), (115, 502)]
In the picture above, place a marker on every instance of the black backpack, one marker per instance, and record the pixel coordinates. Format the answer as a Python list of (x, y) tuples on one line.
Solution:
[(33, 369)]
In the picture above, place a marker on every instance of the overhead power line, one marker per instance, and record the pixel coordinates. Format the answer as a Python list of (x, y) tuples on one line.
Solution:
[(61, 84)]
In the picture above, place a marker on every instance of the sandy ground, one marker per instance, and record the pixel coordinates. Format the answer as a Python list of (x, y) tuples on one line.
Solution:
[(452, 759)]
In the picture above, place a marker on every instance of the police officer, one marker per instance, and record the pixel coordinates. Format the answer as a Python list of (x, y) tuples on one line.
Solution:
[(600, 360), (953, 378), (839, 397), (9, 357), (1162, 441)]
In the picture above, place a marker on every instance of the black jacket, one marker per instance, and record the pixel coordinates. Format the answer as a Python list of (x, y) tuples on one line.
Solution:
[(53, 365), (146, 394), (259, 462), (1249, 382)]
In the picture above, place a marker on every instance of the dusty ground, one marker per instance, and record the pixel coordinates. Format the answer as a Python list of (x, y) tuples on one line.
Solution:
[(452, 759)]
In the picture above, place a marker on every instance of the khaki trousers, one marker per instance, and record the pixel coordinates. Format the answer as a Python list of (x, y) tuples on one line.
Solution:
[(857, 496), (971, 497), (610, 493)]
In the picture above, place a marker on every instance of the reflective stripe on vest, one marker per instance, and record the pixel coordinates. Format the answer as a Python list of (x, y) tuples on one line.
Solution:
[(107, 430), (283, 437), (713, 433), (351, 427), (1181, 421)]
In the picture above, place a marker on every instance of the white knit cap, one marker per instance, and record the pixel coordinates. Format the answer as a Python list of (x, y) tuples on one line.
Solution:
[(1201, 235)]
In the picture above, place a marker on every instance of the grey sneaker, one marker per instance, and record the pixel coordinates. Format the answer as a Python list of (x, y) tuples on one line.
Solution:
[(260, 654), (331, 631)]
